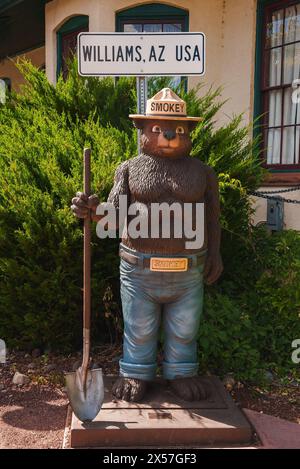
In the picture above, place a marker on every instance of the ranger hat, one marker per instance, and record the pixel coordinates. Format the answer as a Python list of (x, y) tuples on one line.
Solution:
[(165, 105)]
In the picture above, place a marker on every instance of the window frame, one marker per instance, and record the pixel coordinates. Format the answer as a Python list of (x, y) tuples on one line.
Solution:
[(265, 9), (71, 25), (152, 21), (152, 13)]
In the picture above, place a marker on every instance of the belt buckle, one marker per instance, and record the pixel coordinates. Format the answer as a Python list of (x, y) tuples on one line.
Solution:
[(168, 264)]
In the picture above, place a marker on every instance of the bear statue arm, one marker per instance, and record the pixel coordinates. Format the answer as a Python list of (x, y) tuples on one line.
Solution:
[(120, 186), (212, 212), (214, 266)]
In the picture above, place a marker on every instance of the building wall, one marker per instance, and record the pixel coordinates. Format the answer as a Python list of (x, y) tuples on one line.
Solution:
[(291, 211), (9, 69), (229, 26)]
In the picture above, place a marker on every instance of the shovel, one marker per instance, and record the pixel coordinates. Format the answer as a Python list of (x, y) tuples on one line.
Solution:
[(85, 386)]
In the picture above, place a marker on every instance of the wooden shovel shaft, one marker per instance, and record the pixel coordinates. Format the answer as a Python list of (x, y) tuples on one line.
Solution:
[(86, 265)]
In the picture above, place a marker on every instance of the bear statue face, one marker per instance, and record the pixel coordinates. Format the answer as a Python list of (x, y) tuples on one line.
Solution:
[(165, 138)]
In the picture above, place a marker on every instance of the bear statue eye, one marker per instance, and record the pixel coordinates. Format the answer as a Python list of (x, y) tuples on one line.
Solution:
[(156, 129), (180, 130)]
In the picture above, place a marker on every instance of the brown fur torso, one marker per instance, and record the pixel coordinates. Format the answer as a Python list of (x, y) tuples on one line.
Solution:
[(153, 179)]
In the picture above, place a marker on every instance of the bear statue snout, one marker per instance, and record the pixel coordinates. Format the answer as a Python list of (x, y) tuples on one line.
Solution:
[(169, 134)]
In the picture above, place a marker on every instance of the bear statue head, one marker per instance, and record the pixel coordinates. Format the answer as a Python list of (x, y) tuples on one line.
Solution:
[(165, 128), (165, 138)]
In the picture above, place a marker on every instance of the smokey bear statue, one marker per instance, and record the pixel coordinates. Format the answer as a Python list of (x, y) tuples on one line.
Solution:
[(162, 277)]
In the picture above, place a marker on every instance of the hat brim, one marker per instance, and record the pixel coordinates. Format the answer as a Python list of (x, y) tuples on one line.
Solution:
[(165, 117)]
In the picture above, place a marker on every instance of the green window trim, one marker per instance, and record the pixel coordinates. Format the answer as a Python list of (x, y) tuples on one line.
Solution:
[(155, 11), (258, 105), (261, 4), (74, 23)]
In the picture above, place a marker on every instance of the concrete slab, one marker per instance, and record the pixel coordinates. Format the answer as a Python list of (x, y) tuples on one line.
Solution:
[(163, 420), (273, 432)]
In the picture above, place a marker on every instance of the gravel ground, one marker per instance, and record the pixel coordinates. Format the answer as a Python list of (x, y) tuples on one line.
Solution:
[(33, 415), (278, 400)]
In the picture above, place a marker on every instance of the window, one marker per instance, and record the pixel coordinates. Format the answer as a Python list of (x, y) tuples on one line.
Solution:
[(67, 41), (5, 86), (153, 18), (280, 68), (7, 82), (154, 26), (2, 91)]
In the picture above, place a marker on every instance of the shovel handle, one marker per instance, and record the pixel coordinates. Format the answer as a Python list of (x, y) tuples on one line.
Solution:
[(86, 264)]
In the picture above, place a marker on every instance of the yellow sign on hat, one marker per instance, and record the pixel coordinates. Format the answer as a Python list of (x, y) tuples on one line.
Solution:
[(165, 105)]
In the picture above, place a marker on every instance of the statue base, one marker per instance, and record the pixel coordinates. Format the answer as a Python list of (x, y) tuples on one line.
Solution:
[(164, 420)]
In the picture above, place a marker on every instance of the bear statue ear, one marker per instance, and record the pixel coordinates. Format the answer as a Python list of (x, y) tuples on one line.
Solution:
[(192, 125), (139, 123)]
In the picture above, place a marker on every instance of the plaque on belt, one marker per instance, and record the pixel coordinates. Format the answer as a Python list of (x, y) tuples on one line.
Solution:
[(168, 264)]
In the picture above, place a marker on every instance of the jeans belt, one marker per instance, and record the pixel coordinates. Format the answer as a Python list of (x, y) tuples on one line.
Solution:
[(145, 262)]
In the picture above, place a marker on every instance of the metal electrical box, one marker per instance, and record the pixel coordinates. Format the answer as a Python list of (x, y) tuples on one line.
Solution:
[(275, 214)]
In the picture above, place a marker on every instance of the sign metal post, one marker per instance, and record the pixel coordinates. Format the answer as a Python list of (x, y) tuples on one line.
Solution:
[(142, 94), (141, 55)]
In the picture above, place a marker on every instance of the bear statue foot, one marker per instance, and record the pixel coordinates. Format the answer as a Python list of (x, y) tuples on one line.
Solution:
[(190, 389), (129, 389)]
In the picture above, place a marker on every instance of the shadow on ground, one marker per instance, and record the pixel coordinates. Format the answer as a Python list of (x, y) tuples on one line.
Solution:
[(34, 409)]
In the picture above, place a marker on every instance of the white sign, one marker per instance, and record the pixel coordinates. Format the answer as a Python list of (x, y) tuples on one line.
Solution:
[(136, 54)]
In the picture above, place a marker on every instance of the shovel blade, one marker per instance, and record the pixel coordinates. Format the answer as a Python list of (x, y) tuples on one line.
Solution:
[(86, 403)]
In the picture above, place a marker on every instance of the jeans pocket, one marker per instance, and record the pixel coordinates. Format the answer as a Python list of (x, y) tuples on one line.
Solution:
[(126, 268), (197, 271)]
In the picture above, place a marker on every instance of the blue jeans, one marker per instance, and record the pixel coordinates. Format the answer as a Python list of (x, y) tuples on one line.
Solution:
[(148, 297)]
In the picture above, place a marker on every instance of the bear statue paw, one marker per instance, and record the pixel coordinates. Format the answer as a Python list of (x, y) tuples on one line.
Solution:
[(129, 389), (190, 389)]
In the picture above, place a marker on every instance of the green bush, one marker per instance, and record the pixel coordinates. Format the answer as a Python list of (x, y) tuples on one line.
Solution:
[(41, 142), (250, 317), (275, 299), (249, 324)]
